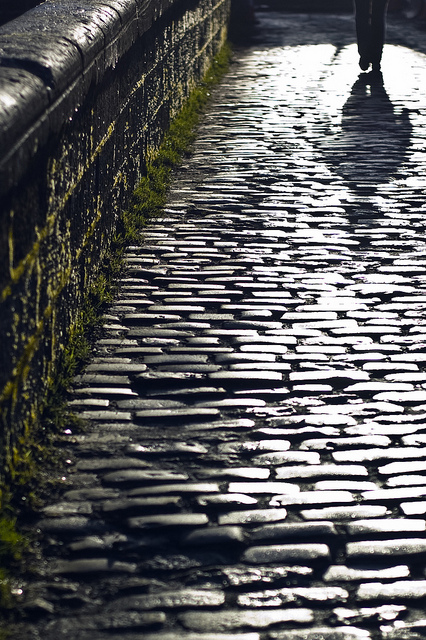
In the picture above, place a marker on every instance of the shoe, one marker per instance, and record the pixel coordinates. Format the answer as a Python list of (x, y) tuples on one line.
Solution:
[(364, 63), (376, 77)]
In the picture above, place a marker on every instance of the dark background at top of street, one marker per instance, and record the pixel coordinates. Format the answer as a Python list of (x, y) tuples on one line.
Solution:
[(410, 8), (10, 10)]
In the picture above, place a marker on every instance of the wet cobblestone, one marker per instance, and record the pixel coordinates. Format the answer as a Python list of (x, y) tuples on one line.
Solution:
[(255, 463)]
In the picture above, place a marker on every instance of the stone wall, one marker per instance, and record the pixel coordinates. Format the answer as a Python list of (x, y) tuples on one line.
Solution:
[(87, 87)]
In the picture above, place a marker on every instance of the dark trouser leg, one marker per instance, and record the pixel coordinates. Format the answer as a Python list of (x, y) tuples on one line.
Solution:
[(378, 27), (363, 27)]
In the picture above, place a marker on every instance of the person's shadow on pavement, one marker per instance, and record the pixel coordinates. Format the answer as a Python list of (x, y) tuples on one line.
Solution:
[(373, 139)]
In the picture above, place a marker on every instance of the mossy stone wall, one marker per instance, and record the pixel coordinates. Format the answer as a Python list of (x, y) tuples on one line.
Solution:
[(87, 88)]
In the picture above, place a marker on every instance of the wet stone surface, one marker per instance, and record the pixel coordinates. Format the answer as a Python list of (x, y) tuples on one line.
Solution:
[(254, 466)]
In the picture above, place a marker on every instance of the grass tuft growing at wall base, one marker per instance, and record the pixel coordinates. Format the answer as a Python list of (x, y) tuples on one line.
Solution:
[(34, 471), (150, 195)]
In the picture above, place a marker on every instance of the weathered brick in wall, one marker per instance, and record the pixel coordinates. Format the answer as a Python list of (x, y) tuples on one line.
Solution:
[(86, 90)]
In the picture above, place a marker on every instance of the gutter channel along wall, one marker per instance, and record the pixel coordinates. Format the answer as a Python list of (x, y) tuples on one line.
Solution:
[(87, 88)]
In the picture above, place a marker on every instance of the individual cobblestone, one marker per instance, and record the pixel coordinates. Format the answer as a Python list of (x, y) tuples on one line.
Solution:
[(237, 619), (286, 553), (254, 464)]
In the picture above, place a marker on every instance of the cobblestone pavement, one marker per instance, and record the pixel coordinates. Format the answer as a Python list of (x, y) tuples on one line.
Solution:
[(256, 464)]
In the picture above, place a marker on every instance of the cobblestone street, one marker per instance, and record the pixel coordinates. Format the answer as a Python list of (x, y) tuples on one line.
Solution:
[(255, 468)]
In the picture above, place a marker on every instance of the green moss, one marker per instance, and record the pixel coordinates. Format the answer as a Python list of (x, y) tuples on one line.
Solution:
[(12, 543), (32, 474), (150, 195), (5, 589), (4, 634), (14, 547)]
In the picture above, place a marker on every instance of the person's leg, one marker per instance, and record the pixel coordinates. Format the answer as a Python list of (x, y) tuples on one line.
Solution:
[(363, 31), (378, 29)]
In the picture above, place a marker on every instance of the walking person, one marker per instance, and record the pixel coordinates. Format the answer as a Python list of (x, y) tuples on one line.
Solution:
[(370, 21)]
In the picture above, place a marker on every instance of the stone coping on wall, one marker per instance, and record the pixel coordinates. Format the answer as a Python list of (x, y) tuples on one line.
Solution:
[(45, 50)]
